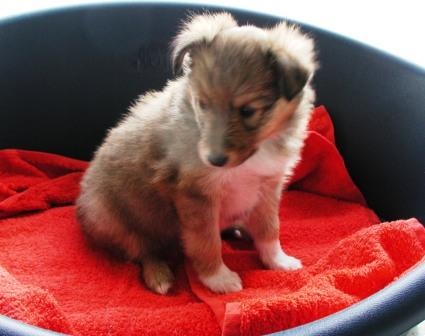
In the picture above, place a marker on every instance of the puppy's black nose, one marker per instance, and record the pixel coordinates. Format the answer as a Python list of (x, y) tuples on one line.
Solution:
[(218, 160)]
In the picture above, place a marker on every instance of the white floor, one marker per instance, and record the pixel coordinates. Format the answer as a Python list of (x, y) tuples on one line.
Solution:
[(419, 330)]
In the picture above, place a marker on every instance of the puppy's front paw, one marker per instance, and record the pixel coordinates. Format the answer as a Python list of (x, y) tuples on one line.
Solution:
[(273, 257), (222, 281), (285, 262)]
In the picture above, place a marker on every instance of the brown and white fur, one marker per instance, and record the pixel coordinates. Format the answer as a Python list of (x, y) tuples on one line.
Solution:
[(213, 149)]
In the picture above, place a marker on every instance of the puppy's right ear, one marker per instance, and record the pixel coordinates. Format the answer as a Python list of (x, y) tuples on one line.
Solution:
[(198, 30)]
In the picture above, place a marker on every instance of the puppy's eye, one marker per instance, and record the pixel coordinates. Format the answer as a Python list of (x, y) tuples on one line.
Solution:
[(202, 104), (246, 111)]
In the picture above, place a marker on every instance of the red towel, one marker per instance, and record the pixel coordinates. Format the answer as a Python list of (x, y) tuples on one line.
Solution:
[(50, 278)]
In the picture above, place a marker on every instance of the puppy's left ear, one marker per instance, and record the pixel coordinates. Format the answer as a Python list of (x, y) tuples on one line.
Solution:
[(198, 30), (292, 57), (291, 76)]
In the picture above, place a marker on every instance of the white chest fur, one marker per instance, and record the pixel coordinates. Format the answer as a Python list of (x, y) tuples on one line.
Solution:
[(240, 188)]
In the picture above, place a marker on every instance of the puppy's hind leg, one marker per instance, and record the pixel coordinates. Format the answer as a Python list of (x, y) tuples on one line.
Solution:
[(157, 274), (106, 229)]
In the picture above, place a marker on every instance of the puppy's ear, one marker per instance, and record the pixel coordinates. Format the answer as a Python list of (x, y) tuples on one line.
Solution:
[(292, 57), (198, 30), (290, 76)]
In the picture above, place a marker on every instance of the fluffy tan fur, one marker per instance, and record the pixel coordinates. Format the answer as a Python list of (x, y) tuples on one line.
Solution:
[(212, 149)]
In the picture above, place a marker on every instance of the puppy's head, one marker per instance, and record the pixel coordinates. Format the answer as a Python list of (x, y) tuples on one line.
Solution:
[(245, 83)]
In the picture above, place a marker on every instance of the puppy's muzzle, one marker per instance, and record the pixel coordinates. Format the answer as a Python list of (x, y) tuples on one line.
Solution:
[(218, 160)]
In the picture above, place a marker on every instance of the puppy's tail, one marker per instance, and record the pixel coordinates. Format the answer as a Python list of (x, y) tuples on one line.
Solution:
[(157, 275)]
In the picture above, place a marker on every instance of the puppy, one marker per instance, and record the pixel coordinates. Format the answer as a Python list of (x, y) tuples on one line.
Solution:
[(213, 149)]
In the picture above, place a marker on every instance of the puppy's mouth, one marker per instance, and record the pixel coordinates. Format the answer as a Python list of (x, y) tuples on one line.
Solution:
[(245, 158)]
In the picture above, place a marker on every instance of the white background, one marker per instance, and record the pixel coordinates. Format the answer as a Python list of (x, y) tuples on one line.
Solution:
[(397, 27)]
